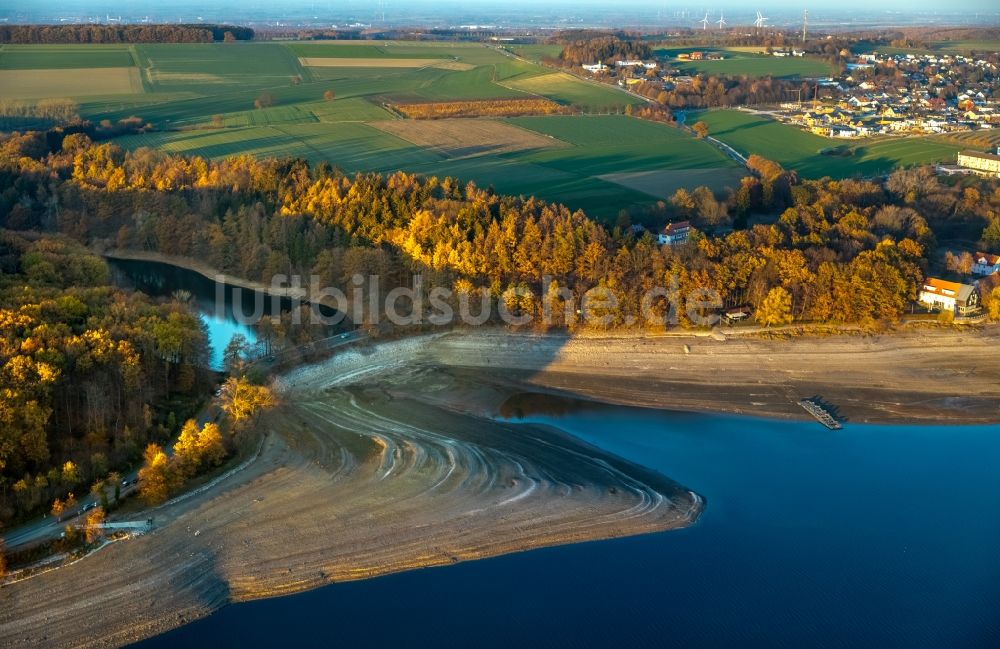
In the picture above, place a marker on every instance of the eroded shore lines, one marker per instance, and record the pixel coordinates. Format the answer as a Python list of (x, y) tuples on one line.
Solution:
[(488, 477), (359, 477)]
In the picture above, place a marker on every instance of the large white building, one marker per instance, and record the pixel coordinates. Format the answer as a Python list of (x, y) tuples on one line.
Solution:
[(986, 164), (962, 299), (674, 233)]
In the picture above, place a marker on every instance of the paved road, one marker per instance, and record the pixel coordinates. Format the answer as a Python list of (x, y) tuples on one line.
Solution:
[(48, 527), (728, 150)]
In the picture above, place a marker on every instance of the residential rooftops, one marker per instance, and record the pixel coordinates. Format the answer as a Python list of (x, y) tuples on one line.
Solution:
[(987, 259)]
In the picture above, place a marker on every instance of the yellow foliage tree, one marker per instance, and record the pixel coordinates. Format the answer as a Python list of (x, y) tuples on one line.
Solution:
[(186, 448), (154, 476), (994, 304), (93, 524), (70, 474), (196, 448), (776, 309), (210, 444), (241, 399)]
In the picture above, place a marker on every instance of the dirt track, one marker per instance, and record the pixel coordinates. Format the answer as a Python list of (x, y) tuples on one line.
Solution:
[(383, 459)]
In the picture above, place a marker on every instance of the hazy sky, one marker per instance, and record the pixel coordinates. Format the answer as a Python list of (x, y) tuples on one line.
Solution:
[(503, 11)]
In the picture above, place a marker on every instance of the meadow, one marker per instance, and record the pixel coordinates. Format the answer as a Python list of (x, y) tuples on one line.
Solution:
[(796, 149), (200, 99), (536, 52), (741, 61), (49, 71), (58, 83), (563, 158), (588, 96), (48, 57), (965, 47), (934, 47)]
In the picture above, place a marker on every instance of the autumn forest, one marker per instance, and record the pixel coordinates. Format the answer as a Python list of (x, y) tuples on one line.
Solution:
[(92, 373)]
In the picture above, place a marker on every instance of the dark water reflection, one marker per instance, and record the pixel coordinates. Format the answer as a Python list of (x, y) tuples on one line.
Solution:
[(226, 310), (874, 536)]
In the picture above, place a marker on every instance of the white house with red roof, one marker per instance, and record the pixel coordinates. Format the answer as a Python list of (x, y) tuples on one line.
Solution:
[(674, 233), (985, 264)]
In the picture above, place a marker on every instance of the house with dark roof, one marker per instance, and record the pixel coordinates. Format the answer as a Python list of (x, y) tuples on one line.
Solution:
[(674, 233)]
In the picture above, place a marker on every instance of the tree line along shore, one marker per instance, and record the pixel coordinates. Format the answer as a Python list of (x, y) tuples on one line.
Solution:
[(839, 252)]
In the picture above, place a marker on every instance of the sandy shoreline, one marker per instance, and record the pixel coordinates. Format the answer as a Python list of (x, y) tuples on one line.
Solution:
[(385, 458), (914, 377)]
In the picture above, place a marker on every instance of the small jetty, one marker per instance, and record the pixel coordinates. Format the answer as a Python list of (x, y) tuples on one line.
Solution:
[(821, 413)]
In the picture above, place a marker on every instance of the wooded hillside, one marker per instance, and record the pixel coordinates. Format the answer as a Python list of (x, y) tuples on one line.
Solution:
[(53, 34)]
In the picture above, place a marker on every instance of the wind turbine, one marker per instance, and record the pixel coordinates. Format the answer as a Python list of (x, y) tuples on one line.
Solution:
[(704, 21), (760, 20), (721, 21)]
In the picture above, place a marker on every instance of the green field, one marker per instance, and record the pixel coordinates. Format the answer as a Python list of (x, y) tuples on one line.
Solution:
[(801, 151), (567, 89), (347, 51), (213, 68), (934, 47), (740, 62), (536, 52), (60, 57), (599, 145), (964, 47), (79, 82), (610, 144), (200, 99)]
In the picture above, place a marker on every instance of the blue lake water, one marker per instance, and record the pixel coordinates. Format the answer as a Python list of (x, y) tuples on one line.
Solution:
[(874, 536)]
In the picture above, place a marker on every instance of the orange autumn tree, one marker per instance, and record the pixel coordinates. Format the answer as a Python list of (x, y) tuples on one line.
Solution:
[(92, 526)]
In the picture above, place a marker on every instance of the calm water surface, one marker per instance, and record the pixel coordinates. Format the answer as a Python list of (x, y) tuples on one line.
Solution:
[(225, 310), (874, 536)]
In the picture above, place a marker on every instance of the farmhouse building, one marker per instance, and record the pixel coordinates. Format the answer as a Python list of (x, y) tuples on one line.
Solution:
[(962, 299), (983, 163), (985, 264), (674, 233)]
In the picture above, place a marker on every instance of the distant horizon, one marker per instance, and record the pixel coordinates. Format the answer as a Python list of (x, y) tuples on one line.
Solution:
[(496, 14)]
